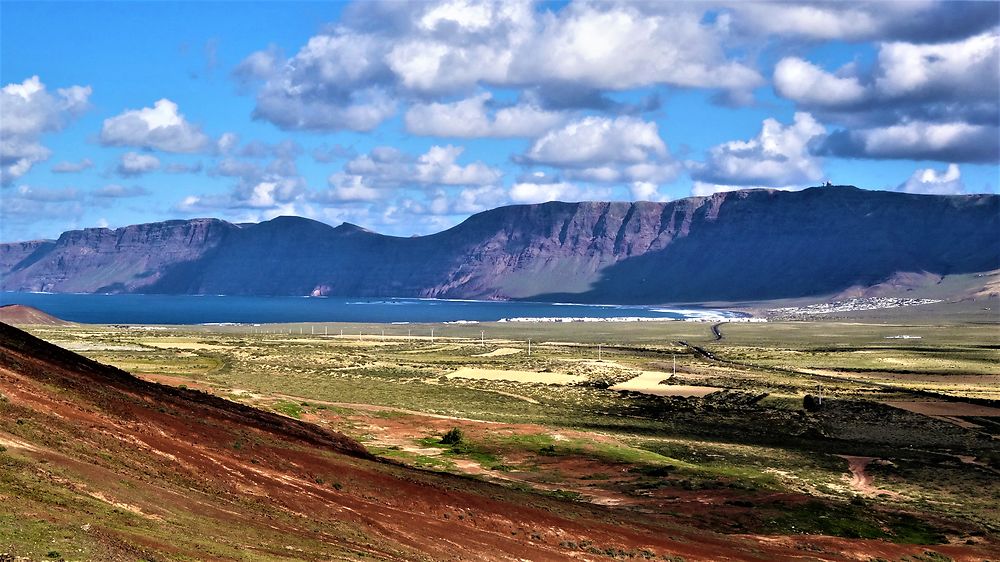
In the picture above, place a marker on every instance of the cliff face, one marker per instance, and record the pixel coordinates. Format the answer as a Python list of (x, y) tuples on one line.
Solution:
[(124, 260), (736, 246)]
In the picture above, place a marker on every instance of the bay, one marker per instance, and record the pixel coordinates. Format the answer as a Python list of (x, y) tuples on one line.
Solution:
[(198, 309)]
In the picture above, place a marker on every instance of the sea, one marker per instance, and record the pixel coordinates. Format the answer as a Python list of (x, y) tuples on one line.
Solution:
[(219, 309)]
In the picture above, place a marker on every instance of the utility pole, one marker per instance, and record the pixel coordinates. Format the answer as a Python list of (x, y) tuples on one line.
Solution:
[(674, 357), (529, 347), (482, 338), (432, 335), (598, 352), (383, 335)]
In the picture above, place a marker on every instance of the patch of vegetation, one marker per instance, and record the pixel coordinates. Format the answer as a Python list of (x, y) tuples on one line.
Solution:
[(290, 409)]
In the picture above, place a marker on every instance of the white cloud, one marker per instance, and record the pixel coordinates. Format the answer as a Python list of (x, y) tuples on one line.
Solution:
[(931, 181), (227, 142), (348, 188), (806, 83), (438, 167), (529, 192), (135, 164), (29, 110), (389, 167), (647, 191), (470, 118), (599, 141), (924, 20), (66, 167), (350, 76), (778, 156), (701, 188), (619, 47), (964, 69), (161, 127), (918, 140)]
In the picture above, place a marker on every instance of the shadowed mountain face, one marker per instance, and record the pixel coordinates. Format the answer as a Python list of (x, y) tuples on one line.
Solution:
[(745, 245)]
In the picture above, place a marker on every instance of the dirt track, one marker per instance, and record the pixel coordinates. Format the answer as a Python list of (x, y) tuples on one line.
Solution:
[(255, 482)]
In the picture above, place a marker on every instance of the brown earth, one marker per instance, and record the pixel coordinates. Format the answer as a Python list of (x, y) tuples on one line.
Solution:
[(205, 478), (21, 315)]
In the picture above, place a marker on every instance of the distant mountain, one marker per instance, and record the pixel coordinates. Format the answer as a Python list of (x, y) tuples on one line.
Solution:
[(744, 245)]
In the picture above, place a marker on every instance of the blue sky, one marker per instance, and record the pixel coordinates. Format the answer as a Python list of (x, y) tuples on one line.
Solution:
[(407, 117)]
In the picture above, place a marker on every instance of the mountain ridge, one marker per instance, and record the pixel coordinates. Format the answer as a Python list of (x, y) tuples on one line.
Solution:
[(741, 245)]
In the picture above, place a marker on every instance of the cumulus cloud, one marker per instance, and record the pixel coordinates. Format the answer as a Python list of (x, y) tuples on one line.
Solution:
[(352, 74), (161, 127), (136, 164), (67, 167), (595, 141), (390, 167), (528, 192), (647, 191), (806, 83), (966, 69), (471, 118), (778, 156), (962, 71), (438, 167), (924, 21), (931, 181), (29, 110), (636, 49), (920, 101), (346, 188), (917, 140)]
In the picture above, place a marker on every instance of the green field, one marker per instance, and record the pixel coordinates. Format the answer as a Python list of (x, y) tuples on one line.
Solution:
[(751, 443)]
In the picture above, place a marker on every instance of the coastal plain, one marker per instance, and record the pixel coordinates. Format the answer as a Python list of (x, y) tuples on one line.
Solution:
[(893, 455)]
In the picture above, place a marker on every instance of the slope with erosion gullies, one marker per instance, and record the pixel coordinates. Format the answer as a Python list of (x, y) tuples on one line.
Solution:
[(510, 252), (818, 241), (745, 245), (123, 260), (98, 465)]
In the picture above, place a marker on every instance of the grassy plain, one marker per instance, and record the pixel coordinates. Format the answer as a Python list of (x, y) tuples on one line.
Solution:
[(751, 451)]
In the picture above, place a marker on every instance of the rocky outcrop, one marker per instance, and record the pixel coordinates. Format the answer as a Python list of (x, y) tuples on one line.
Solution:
[(743, 245)]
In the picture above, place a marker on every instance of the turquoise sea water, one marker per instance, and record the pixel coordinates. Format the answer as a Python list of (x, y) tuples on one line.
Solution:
[(191, 309)]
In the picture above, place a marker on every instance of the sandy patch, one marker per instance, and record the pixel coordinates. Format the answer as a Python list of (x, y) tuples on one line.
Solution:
[(181, 345), (500, 352), (648, 382), (516, 376)]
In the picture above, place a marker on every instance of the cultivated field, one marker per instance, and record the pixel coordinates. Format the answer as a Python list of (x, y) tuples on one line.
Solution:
[(649, 417)]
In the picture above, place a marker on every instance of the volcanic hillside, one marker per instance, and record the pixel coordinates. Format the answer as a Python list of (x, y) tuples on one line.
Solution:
[(100, 465), (96, 464), (21, 315)]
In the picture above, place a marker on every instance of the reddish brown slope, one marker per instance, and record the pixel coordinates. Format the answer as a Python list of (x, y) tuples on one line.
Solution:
[(114, 468), (21, 315)]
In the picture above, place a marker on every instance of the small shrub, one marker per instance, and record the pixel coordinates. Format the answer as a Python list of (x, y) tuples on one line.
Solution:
[(812, 403), (453, 437)]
